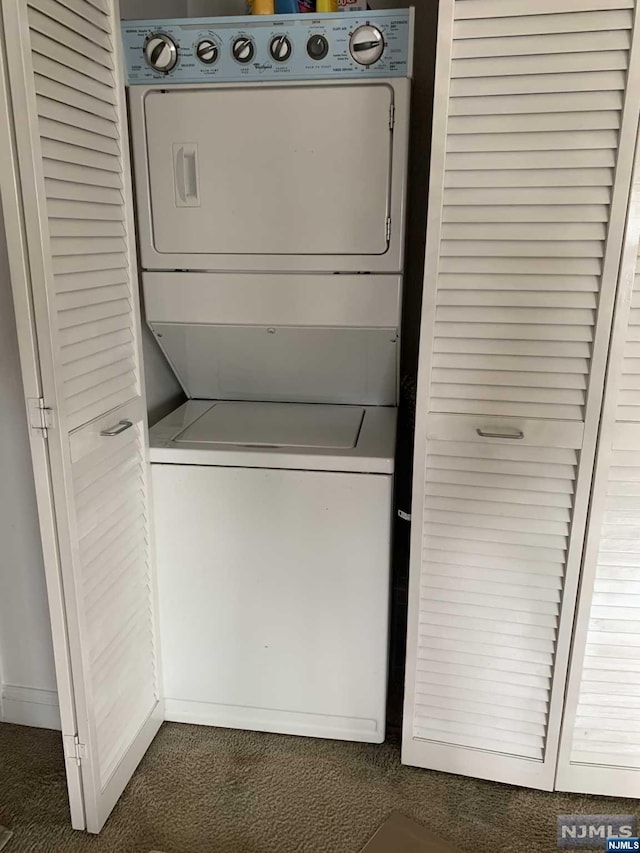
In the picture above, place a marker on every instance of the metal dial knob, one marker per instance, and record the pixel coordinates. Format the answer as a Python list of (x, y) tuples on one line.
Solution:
[(280, 48), (367, 45), (317, 47), (161, 52), (243, 49), (207, 51)]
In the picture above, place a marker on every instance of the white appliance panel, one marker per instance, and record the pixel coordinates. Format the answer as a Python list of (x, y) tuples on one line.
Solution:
[(276, 425), (305, 177), (273, 299), (288, 364), (286, 337), (273, 593), (270, 170), (343, 438)]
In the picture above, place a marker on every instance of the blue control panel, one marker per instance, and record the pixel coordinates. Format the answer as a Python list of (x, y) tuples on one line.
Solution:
[(269, 48)]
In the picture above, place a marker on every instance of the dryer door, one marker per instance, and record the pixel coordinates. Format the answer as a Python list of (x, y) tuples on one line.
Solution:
[(260, 177)]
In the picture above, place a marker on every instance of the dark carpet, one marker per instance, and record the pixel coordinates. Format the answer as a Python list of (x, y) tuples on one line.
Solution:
[(204, 790)]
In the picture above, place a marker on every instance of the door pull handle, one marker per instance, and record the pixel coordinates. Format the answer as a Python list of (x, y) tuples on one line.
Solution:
[(118, 429), (512, 434)]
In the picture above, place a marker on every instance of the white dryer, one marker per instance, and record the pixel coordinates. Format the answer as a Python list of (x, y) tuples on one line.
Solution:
[(270, 165)]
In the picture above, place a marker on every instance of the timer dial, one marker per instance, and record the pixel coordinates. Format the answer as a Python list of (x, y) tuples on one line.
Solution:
[(367, 45), (161, 52)]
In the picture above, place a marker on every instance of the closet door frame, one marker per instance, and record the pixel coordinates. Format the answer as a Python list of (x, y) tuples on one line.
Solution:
[(584, 778), (446, 757)]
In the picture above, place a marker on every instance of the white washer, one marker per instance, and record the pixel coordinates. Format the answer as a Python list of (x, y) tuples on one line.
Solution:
[(273, 530)]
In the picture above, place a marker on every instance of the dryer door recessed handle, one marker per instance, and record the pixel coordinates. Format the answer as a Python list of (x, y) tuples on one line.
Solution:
[(185, 159)]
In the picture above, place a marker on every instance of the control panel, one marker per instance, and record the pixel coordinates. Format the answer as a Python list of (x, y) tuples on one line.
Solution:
[(269, 47)]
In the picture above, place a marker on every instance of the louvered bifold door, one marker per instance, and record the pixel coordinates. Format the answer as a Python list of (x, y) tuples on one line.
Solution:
[(600, 746), (71, 135), (533, 140)]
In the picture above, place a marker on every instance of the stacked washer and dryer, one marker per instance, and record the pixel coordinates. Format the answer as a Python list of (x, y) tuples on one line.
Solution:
[(270, 159)]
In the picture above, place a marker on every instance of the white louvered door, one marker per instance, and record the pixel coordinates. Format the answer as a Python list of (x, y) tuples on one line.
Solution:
[(533, 139), (71, 138), (600, 746)]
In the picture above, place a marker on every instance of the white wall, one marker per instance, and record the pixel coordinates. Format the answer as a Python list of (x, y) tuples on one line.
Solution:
[(133, 9), (27, 676)]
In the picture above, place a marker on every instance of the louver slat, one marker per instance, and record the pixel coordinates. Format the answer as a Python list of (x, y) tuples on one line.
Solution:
[(473, 45), (505, 123), (60, 209), (471, 9), (530, 84), (518, 213), (532, 24), (85, 228), (536, 105), (486, 67)]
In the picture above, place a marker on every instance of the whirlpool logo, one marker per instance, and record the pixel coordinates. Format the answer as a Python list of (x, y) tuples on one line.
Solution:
[(581, 831)]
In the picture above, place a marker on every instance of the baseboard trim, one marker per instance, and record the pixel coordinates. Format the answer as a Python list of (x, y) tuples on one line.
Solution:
[(29, 706), (276, 721)]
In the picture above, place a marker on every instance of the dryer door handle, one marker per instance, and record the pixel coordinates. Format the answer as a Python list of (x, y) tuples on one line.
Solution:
[(185, 161)]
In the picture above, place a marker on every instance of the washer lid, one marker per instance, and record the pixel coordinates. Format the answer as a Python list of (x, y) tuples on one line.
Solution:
[(276, 425)]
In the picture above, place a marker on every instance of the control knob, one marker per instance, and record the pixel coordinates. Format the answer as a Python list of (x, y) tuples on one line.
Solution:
[(161, 52), (243, 50), (280, 48), (367, 45), (318, 47), (207, 51)]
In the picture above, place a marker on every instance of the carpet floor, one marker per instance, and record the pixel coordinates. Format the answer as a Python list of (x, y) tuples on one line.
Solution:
[(204, 790)]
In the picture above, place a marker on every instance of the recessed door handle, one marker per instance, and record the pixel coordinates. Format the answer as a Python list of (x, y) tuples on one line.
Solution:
[(186, 175), (118, 429), (512, 434)]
